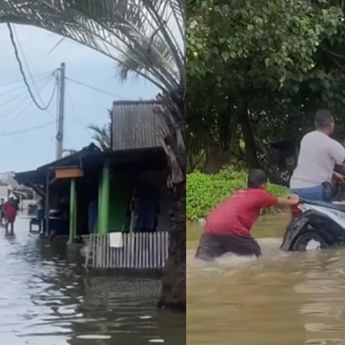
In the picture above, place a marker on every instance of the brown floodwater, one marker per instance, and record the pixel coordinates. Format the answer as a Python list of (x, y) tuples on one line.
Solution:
[(46, 298), (279, 299)]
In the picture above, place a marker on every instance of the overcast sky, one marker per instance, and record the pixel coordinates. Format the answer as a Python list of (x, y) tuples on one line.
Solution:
[(22, 150)]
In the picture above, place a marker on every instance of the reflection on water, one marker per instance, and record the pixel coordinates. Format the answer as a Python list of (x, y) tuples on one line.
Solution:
[(280, 299), (46, 298)]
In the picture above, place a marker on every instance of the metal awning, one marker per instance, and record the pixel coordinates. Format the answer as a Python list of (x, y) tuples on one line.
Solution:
[(93, 158)]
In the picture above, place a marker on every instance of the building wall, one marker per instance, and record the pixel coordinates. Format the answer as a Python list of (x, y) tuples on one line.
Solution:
[(122, 187), (134, 125), (158, 180), (119, 199), (3, 192)]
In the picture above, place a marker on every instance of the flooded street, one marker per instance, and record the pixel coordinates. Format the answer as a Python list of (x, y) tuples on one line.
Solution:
[(46, 298), (282, 298)]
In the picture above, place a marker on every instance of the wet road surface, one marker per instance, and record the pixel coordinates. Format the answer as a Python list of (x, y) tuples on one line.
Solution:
[(47, 298)]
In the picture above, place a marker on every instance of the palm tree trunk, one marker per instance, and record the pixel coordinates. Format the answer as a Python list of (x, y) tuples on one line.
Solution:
[(173, 293)]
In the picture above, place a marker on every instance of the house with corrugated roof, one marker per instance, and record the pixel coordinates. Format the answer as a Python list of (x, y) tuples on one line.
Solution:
[(118, 196)]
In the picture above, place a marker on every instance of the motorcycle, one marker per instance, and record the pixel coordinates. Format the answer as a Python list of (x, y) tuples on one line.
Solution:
[(317, 225)]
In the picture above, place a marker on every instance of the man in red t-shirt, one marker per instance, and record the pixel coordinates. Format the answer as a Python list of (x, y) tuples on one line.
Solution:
[(227, 228)]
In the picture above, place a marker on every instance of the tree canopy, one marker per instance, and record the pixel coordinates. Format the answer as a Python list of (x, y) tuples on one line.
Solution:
[(257, 71)]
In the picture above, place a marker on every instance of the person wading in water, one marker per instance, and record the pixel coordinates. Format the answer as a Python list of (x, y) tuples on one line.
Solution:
[(10, 212), (228, 226)]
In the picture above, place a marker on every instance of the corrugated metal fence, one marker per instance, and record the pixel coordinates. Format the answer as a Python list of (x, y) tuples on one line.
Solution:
[(138, 251)]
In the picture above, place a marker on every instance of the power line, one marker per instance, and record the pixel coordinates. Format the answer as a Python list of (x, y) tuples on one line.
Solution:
[(11, 91), (4, 92), (75, 112), (26, 64), (10, 123), (56, 45), (40, 75), (16, 96), (23, 73), (30, 74), (25, 130), (11, 104), (93, 88), (21, 112)]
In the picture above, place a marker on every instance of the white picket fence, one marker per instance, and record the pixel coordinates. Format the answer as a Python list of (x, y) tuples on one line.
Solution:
[(138, 251)]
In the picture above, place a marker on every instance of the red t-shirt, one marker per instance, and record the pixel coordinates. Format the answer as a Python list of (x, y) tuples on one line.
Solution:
[(237, 214), (10, 211)]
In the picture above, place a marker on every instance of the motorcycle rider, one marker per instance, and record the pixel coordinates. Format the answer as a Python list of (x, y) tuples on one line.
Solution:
[(318, 155)]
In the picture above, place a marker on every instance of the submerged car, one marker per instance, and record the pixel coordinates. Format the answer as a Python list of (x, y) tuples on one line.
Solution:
[(316, 225)]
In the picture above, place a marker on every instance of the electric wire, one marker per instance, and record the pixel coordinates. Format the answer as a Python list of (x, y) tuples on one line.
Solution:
[(5, 92), (93, 88), (17, 81), (10, 123), (56, 45), (28, 67), (10, 106), (26, 63), (26, 130), (23, 73), (75, 112), (17, 96)]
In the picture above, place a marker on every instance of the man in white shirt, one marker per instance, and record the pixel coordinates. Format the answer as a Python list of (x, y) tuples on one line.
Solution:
[(317, 157)]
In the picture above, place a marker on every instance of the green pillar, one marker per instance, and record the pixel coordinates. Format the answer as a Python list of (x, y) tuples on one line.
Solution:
[(103, 204), (72, 212), (99, 222)]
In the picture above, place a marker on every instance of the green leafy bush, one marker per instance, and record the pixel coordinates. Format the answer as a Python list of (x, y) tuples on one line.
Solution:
[(204, 192)]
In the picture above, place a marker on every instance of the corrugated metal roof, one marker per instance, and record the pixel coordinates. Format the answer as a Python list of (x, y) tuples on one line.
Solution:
[(134, 125)]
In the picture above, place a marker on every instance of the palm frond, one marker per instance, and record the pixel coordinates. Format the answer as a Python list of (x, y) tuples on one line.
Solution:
[(144, 30), (143, 37), (101, 136)]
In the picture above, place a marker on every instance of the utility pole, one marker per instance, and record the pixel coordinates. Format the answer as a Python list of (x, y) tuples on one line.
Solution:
[(61, 110)]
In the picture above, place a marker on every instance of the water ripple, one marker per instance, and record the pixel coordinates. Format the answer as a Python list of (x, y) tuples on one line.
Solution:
[(47, 299), (288, 299)]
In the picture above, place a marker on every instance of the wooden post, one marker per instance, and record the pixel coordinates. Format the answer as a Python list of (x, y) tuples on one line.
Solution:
[(73, 212), (103, 211)]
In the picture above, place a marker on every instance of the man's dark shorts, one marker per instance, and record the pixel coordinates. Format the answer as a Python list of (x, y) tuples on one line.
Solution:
[(213, 246)]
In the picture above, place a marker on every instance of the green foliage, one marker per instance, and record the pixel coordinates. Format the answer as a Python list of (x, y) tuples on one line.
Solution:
[(204, 191), (271, 63), (260, 44), (101, 135)]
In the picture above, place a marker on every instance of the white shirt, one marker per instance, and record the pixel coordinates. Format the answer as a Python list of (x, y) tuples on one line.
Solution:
[(317, 157)]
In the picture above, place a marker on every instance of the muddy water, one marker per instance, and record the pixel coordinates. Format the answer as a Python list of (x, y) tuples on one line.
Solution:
[(280, 299), (46, 298)]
